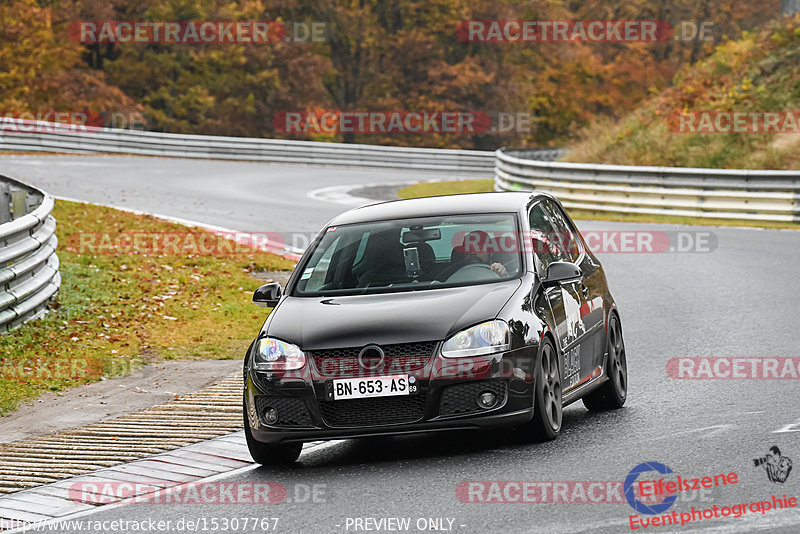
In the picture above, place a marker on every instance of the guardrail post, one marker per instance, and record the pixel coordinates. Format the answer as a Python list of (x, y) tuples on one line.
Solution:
[(796, 214), (19, 205), (5, 203)]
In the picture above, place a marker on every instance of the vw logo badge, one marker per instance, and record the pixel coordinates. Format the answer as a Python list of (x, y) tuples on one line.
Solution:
[(371, 358)]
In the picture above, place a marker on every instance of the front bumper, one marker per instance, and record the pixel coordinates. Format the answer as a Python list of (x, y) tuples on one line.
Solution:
[(445, 401)]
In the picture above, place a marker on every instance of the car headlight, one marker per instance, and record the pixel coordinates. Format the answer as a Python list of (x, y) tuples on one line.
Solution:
[(485, 338), (275, 355)]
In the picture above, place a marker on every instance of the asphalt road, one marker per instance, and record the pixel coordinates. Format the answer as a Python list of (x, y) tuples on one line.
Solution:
[(249, 197), (739, 300)]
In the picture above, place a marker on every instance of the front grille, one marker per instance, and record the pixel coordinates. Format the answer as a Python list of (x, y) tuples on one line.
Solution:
[(373, 412), (459, 399), (397, 350), (398, 358), (292, 411)]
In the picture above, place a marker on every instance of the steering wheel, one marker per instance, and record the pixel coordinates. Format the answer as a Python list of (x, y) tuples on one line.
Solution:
[(508, 264), (473, 272)]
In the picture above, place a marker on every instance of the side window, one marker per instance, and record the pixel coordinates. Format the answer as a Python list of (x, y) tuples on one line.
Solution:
[(318, 276), (543, 236), (564, 237)]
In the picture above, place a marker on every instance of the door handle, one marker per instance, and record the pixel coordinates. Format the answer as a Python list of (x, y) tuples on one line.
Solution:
[(585, 291)]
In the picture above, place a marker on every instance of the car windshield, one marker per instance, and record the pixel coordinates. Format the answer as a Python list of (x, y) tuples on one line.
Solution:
[(412, 254)]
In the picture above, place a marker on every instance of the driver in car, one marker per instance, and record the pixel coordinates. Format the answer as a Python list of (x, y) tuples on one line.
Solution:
[(478, 247)]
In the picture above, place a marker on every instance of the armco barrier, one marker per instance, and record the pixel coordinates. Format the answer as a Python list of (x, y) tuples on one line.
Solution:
[(710, 193), (29, 275), (37, 136)]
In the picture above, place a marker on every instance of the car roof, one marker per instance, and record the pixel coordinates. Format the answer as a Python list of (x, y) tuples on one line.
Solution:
[(506, 202)]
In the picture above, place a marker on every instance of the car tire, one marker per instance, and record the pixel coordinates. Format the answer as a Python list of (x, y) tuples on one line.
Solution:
[(547, 401), (270, 454), (613, 393)]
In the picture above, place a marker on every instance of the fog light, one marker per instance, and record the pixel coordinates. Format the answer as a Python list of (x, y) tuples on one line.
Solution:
[(487, 399), (271, 416)]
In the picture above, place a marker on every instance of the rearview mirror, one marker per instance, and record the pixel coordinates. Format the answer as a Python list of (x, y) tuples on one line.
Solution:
[(561, 271), (268, 295), (421, 234)]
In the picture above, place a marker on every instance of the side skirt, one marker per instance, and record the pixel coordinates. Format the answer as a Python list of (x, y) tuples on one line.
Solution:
[(581, 390)]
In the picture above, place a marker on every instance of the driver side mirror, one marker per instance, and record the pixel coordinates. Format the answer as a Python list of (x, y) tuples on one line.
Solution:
[(268, 295), (561, 271)]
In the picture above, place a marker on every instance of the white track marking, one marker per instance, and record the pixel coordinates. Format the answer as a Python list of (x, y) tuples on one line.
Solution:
[(791, 427), (340, 194)]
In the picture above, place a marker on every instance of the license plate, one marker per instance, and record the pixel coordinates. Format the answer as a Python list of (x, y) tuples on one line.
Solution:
[(378, 386)]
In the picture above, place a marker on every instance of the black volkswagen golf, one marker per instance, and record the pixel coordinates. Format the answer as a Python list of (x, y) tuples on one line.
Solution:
[(455, 312)]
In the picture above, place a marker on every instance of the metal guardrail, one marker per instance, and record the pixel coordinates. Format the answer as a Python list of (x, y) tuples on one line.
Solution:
[(29, 275), (754, 195), (116, 141), (37, 136)]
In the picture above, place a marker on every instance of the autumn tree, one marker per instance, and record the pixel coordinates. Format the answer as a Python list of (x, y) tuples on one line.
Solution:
[(376, 55), (40, 68)]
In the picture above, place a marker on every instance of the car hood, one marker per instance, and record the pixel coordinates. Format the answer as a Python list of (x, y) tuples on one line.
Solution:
[(352, 321)]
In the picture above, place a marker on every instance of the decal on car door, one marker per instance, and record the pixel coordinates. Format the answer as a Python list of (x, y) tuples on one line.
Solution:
[(590, 306), (577, 313), (574, 330)]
